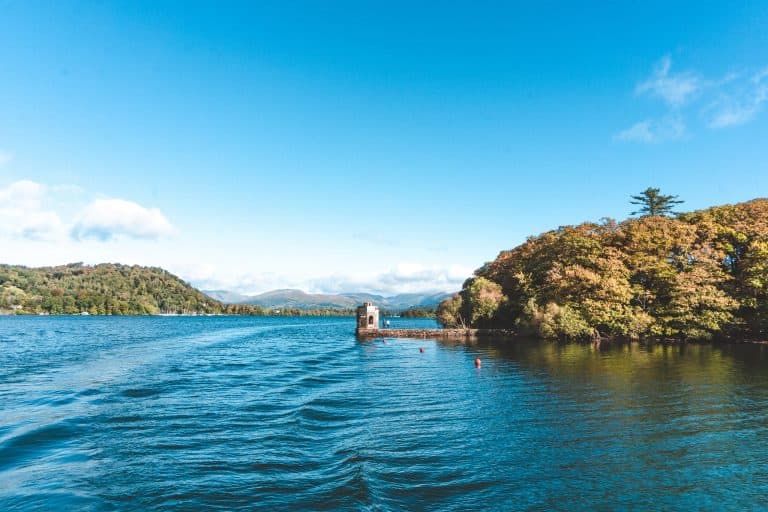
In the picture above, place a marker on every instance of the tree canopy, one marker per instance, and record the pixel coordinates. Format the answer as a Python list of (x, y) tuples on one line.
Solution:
[(700, 275), (107, 289)]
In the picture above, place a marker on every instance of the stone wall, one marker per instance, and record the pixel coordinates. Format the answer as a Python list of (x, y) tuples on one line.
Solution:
[(435, 333)]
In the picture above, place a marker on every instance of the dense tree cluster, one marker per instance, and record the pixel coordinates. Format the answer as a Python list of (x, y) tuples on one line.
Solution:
[(699, 275), (417, 312), (113, 289), (243, 310), (107, 289), (255, 310)]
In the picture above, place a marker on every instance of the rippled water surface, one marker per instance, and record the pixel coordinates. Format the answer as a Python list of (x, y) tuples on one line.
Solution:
[(295, 414)]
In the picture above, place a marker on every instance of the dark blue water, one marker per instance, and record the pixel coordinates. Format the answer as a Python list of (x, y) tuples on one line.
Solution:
[(295, 414)]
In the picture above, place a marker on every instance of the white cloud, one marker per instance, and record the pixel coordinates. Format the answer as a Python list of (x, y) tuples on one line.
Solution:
[(105, 219), (206, 276), (34, 211), (651, 132), (674, 88), (414, 277), (403, 278), (23, 215), (68, 189), (23, 193)]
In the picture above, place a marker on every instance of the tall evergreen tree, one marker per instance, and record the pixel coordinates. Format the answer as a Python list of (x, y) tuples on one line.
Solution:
[(652, 202)]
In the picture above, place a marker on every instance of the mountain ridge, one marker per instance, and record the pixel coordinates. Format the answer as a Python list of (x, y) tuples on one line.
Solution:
[(294, 298)]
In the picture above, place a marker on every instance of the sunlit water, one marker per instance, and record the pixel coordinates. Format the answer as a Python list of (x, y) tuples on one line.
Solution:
[(295, 414)]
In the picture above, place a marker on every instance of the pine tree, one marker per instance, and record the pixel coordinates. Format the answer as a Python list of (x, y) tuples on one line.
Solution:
[(654, 203)]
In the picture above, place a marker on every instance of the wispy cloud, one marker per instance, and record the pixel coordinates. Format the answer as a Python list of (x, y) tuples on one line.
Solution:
[(5, 157), (403, 278), (674, 88), (68, 189), (650, 131), (23, 215), (737, 107), (733, 100), (105, 219)]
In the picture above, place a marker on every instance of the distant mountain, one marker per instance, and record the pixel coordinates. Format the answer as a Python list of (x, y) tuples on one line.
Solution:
[(412, 300), (302, 300), (227, 297)]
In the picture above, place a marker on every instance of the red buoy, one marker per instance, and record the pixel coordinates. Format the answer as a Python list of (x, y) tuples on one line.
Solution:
[(478, 363), (421, 349)]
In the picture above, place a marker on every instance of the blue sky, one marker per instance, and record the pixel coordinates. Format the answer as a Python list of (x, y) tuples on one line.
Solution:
[(375, 146)]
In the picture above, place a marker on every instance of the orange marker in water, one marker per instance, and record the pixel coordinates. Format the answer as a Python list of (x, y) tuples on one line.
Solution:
[(478, 363)]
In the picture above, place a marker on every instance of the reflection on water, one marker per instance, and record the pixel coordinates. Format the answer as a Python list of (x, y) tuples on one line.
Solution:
[(295, 414), (622, 363)]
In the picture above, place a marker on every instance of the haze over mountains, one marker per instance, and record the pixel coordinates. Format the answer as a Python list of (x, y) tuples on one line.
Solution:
[(298, 299)]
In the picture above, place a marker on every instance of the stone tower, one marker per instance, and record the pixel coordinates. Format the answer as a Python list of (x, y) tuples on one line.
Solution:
[(367, 317)]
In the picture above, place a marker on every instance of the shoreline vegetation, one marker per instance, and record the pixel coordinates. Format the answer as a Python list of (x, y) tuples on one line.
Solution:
[(661, 276)]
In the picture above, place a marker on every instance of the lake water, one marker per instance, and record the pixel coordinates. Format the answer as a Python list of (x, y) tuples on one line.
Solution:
[(295, 414)]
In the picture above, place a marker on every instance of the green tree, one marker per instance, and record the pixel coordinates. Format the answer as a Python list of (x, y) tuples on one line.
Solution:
[(450, 313), (417, 312), (557, 322), (482, 300), (652, 202)]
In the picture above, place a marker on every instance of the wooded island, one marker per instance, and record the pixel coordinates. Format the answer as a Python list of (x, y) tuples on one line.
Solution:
[(693, 276)]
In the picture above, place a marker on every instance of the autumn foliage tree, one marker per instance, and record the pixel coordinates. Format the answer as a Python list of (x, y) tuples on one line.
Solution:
[(698, 275), (450, 313)]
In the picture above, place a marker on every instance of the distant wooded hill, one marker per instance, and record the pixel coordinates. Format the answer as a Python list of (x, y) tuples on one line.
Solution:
[(304, 301), (114, 289), (106, 289)]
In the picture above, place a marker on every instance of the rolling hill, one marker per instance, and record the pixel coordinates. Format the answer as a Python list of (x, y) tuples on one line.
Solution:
[(105, 289), (290, 298)]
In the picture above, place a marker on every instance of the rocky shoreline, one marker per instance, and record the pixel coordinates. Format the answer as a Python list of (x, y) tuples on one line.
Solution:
[(435, 333), (506, 334)]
